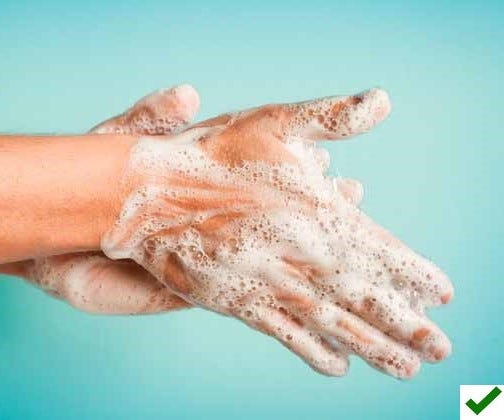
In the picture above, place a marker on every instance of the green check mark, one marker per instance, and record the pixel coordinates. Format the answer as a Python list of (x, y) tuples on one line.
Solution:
[(485, 402)]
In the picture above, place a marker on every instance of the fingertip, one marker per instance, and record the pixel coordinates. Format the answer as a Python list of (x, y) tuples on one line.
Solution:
[(180, 102), (189, 96), (448, 350), (443, 287), (432, 344), (440, 351), (340, 117), (380, 103), (351, 189), (322, 157), (402, 370), (446, 298), (357, 191), (410, 370), (341, 367), (446, 353), (334, 367), (368, 109), (448, 293)]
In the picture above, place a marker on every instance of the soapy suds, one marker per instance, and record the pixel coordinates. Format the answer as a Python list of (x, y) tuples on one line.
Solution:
[(161, 112), (278, 246), (92, 282)]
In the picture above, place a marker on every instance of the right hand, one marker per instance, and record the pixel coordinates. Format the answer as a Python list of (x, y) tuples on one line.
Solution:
[(235, 215), (92, 282)]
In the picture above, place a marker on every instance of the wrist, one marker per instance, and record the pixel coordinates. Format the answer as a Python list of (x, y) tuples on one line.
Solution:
[(105, 186), (59, 194)]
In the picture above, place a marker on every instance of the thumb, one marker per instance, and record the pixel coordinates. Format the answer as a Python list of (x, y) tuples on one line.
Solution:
[(162, 112)]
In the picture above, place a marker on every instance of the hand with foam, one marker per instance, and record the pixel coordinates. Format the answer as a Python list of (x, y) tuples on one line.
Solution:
[(236, 215), (92, 282)]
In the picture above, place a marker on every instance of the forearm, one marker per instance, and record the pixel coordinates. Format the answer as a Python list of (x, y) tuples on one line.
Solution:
[(58, 194)]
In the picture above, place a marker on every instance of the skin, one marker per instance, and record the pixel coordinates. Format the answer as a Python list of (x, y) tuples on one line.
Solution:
[(105, 286), (92, 282), (321, 277), (321, 306)]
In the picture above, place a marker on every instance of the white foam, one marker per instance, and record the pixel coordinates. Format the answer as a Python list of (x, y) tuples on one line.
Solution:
[(271, 212)]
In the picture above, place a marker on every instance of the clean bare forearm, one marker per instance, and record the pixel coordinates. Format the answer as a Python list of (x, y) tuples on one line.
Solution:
[(58, 194)]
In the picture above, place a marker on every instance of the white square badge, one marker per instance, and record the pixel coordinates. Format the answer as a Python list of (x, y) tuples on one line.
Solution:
[(481, 402)]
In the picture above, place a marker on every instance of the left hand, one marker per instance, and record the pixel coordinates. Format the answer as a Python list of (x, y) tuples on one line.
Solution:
[(94, 283)]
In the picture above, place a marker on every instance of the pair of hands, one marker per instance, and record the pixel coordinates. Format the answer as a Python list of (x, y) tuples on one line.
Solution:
[(96, 284), (236, 215)]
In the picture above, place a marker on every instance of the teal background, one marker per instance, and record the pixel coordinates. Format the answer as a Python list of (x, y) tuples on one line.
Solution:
[(432, 173)]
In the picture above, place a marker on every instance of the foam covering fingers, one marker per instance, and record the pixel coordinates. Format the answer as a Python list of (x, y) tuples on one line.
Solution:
[(93, 283), (351, 189), (338, 117), (372, 345), (161, 112), (390, 312), (245, 222), (411, 273), (312, 348)]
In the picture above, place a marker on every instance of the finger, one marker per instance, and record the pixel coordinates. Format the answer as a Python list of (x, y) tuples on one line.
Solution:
[(161, 112), (415, 276), (93, 283), (299, 301), (391, 313), (338, 117), (418, 278), (351, 189), (321, 157), (312, 348), (366, 341), (330, 118), (422, 278)]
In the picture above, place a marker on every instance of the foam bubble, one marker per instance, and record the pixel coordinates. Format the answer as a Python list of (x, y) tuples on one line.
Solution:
[(236, 239)]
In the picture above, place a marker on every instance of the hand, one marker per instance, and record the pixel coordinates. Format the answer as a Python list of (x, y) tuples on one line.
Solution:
[(92, 282), (235, 215)]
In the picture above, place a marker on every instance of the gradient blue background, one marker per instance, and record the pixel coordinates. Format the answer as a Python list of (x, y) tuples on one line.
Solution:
[(433, 175)]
